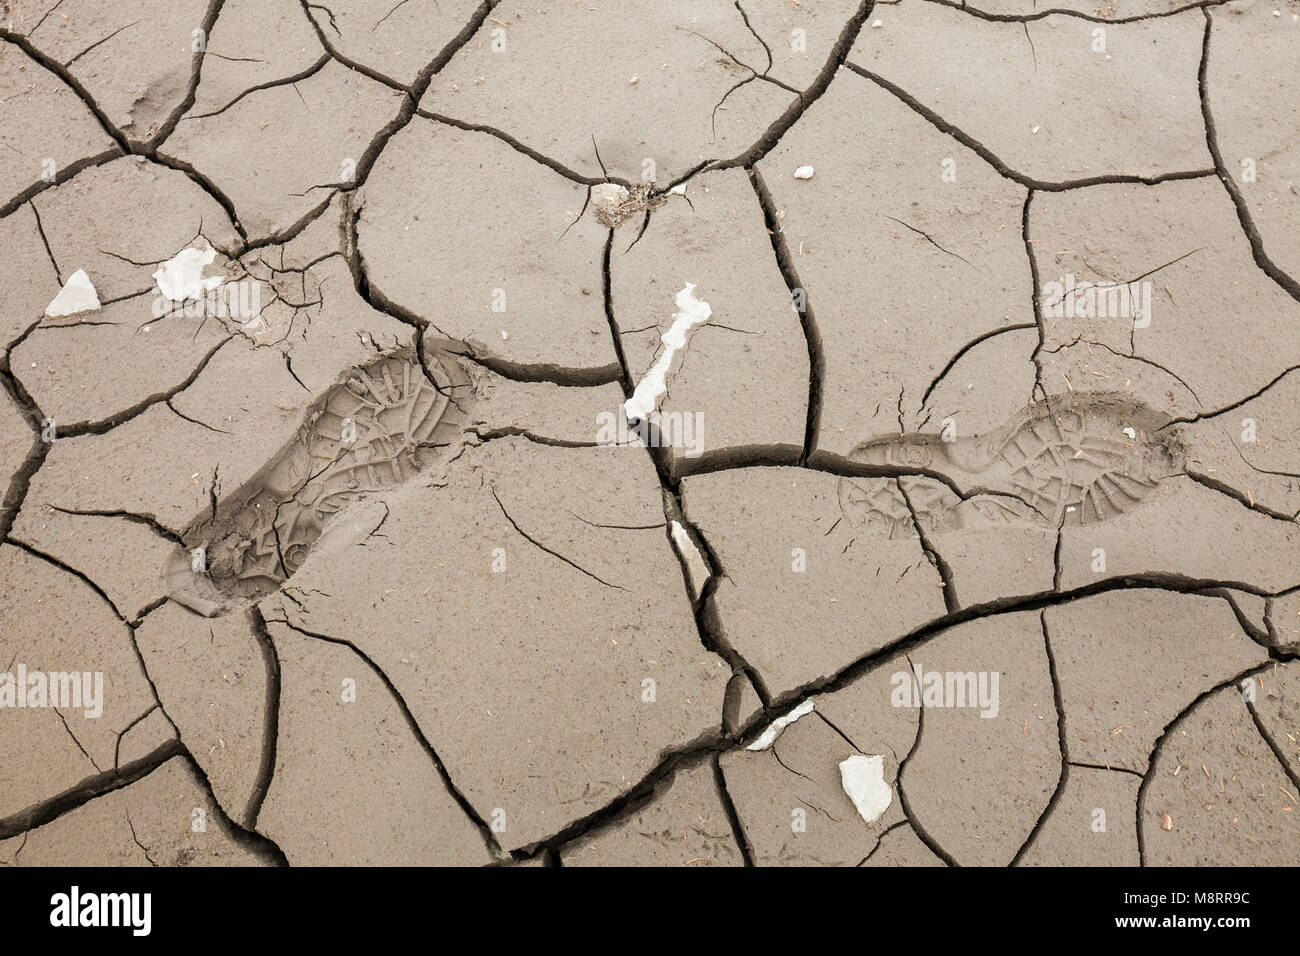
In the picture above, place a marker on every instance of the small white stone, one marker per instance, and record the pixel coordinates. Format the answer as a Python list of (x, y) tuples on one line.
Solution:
[(803, 172), (76, 296), (505, 334), (876, 25), (1128, 430), (863, 779)]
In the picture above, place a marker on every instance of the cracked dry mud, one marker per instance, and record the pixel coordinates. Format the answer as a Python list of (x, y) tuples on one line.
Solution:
[(963, 529)]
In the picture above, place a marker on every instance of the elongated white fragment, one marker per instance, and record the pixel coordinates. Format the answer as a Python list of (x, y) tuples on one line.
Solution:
[(690, 313), (777, 727)]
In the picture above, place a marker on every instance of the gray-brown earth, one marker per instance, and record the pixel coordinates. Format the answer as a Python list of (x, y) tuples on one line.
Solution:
[(707, 432)]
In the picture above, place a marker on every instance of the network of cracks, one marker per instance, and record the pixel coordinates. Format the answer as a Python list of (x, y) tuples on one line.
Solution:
[(423, 518)]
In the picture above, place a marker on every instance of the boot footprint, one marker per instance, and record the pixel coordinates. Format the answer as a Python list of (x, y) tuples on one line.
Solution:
[(1075, 460), (377, 427)]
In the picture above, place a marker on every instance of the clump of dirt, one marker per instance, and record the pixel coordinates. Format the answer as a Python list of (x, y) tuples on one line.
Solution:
[(617, 204)]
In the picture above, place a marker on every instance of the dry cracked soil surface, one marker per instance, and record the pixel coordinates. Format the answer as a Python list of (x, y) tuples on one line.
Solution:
[(726, 432)]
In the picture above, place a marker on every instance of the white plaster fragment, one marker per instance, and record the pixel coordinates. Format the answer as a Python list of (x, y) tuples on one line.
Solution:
[(863, 779), (181, 277), (678, 190), (777, 727), (803, 172), (691, 312), (1128, 430), (76, 296)]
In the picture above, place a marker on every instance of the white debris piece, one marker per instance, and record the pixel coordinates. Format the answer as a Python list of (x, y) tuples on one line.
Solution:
[(877, 24), (863, 779), (181, 277), (76, 296), (691, 312), (678, 190), (1128, 430), (696, 567), (803, 172), (777, 726)]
